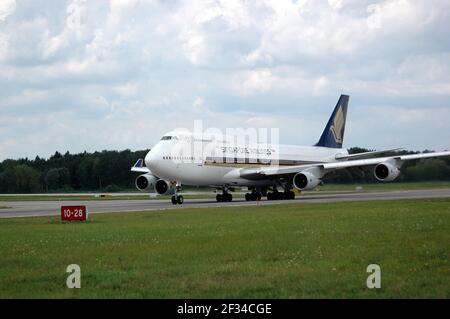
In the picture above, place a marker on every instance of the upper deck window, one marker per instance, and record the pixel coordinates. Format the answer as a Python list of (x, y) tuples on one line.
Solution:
[(166, 138)]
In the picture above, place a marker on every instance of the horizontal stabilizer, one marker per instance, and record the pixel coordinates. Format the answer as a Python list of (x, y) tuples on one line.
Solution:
[(139, 167)]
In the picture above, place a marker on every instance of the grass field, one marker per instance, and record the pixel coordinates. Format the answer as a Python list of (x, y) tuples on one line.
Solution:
[(282, 251), (208, 193)]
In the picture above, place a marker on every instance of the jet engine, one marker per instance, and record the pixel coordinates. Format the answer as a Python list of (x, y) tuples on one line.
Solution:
[(386, 172), (163, 187), (146, 183), (305, 181)]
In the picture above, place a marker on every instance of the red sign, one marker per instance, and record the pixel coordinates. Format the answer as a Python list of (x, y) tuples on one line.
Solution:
[(73, 213)]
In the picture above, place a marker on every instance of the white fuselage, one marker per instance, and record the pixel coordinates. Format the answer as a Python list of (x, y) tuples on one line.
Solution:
[(213, 161)]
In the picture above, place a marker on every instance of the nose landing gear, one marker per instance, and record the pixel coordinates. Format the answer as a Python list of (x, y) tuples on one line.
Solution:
[(177, 199)]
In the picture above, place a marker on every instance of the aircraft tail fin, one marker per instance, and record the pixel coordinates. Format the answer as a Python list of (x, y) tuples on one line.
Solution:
[(333, 134)]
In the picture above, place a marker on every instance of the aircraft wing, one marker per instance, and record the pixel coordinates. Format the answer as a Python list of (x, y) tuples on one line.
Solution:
[(139, 167), (329, 166), (365, 154)]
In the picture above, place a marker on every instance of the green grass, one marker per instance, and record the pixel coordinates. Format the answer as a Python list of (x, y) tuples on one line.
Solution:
[(267, 251)]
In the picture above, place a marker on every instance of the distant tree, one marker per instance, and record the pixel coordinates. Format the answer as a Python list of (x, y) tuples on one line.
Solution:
[(51, 179), (7, 181), (57, 178), (87, 174), (339, 176), (64, 177), (429, 169), (57, 155), (26, 179), (355, 150)]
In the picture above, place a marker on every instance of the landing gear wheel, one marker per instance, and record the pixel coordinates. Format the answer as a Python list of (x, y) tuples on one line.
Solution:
[(281, 195), (226, 197), (177, 199), (253, 196)]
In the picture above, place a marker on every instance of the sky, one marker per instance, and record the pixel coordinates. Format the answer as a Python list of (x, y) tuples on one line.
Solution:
[(92, 75)]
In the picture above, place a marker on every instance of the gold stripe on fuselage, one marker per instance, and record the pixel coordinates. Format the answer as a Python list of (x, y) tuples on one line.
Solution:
[(251, 163)]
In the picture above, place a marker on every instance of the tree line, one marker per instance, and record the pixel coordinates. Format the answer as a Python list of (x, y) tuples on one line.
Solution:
[(99, 171), (109, 171)]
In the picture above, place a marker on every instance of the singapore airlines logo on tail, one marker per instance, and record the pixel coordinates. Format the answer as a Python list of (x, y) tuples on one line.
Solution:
[(338, 125)]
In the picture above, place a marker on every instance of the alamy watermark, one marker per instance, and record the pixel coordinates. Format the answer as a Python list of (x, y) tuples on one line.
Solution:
[(374, 279), (235, 145), (74, 14), (74, 279)]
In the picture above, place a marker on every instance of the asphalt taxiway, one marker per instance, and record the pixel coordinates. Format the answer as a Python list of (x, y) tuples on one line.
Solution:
[(50, 208)]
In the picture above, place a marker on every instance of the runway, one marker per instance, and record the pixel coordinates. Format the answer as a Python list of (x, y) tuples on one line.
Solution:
[(50, 208)]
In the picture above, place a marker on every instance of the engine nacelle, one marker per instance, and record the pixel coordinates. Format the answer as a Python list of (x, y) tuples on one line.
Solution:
[(386, 172), (305, 181), (163, 187), (146, 182)]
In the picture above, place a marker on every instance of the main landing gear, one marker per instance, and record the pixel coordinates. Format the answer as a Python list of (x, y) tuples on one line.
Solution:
[(280, 195), (253, 196), (225, 197), (177, 199)]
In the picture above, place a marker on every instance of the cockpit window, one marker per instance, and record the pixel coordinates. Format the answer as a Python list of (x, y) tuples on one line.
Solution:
[(166, 138)]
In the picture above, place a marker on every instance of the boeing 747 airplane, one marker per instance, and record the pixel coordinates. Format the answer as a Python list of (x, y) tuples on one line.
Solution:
[(184, 158)]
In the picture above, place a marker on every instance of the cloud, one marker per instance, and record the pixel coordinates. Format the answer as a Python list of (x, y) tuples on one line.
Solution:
[(253, 81), (7, 7), (335, 4)]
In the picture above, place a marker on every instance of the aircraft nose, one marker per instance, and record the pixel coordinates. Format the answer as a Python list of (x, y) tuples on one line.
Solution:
[(150, 159)]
